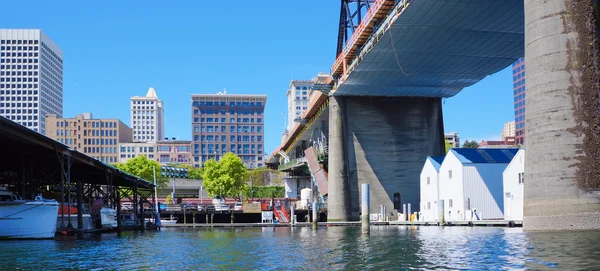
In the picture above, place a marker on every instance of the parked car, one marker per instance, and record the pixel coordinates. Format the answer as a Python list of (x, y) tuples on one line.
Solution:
[(210, 207), (238, 206), (191, 206), (127, 206)]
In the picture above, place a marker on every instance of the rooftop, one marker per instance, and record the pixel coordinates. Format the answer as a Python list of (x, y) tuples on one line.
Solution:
[(477, 156)]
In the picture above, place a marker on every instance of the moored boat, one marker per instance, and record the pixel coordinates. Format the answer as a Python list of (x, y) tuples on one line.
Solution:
[(26, 219)]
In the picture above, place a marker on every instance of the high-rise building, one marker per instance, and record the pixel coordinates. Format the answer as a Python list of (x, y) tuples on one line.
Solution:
[(298, 99), (31, 71), (508, 130), (518, 70), (98, 138), (298, 96), (228, 123), (147, 117)]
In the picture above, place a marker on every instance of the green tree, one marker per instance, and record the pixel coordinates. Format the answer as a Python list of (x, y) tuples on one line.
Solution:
[(255, 178), (226, 177), (448, 146), (142, 167), (470, 144), (193, 173)]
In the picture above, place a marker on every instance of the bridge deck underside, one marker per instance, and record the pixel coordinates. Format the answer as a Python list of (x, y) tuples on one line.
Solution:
[(441, 47)]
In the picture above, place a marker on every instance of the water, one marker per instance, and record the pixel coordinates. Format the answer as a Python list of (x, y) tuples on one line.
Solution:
[(334, 248)]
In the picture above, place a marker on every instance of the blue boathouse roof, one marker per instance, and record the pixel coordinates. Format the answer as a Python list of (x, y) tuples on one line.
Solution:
[(477, 156), (436, 161)]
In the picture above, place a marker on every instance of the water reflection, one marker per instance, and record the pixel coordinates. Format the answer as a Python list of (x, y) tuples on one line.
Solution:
[(334, 248)]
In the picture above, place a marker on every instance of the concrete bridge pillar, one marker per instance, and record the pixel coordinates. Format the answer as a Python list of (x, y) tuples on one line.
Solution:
[(383, 142), (562, 139)]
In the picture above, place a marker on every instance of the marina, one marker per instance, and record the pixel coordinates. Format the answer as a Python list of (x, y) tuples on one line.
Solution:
[(47, 187)]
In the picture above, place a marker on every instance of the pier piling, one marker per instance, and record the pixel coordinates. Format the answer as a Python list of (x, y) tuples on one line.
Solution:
[(365, 205)]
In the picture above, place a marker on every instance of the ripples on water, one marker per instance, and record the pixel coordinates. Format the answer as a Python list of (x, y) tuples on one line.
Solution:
[(334, 248)]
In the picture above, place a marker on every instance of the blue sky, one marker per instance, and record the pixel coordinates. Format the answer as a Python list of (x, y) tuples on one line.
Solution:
[(117, 49)]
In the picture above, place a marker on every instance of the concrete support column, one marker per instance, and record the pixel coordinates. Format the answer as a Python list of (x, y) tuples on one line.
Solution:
[(338, 199), (561, 64)]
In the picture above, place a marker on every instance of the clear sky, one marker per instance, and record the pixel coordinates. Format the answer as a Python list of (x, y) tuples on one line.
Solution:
[(117, 49)]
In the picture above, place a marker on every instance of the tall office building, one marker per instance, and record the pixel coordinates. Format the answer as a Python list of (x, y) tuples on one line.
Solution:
[(508, 130), (298, 96), (147, 117), (519, 92), (228, 123), (298, 99), (31, 70), (98, 138)]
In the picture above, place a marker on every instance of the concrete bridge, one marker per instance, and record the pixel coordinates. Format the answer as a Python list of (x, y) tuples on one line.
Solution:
[(397, 59)]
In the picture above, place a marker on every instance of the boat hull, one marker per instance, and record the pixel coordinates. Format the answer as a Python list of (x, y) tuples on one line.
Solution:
[(28, 220)]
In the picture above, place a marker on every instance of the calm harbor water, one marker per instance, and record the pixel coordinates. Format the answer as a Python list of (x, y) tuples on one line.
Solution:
[(334, 248)]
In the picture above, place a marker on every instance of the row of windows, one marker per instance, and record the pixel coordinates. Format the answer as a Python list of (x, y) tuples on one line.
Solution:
[(145, 107), (211, 138), (17, 105), (27, 124), (18, 73), (142, 102), (142, 137), (18, 98), (19, 48), (241, 148), (240, 129), (151, 156), (6, 113), (99, 141), (18, 42), (100, 132), (223, 103), (224, 112), (231, 120), (141, 149), (100, 150), (18, 67)]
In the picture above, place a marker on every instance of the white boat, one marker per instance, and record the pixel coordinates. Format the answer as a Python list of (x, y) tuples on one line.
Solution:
[(171, 221), (27, 219), (108, 217)]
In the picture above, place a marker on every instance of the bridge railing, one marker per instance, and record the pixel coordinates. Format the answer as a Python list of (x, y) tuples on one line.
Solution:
[(366, 22)]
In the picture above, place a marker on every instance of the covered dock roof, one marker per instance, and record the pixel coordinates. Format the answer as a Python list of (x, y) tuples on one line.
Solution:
[(30, 157)]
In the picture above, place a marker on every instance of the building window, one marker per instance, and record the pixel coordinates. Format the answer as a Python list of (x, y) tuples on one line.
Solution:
[(450, 203), (449, 174), (428, 205), (521, 177), (428, 181)]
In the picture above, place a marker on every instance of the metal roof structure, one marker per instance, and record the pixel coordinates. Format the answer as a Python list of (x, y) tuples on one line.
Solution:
[(427, 48), (21, 147), (480, 156)]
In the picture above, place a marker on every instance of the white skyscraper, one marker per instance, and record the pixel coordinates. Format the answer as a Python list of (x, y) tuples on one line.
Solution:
[(31, 74), (298, 98), (147, 118)]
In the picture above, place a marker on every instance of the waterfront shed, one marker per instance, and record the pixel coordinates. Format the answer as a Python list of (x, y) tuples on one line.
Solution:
[(471, 179), (429, 188), (514, 178)]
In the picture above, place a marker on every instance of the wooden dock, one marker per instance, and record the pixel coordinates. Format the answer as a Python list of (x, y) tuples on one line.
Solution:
[(478, 223)]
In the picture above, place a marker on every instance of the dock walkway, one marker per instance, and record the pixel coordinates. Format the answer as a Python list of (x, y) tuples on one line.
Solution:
[(478, 223)]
